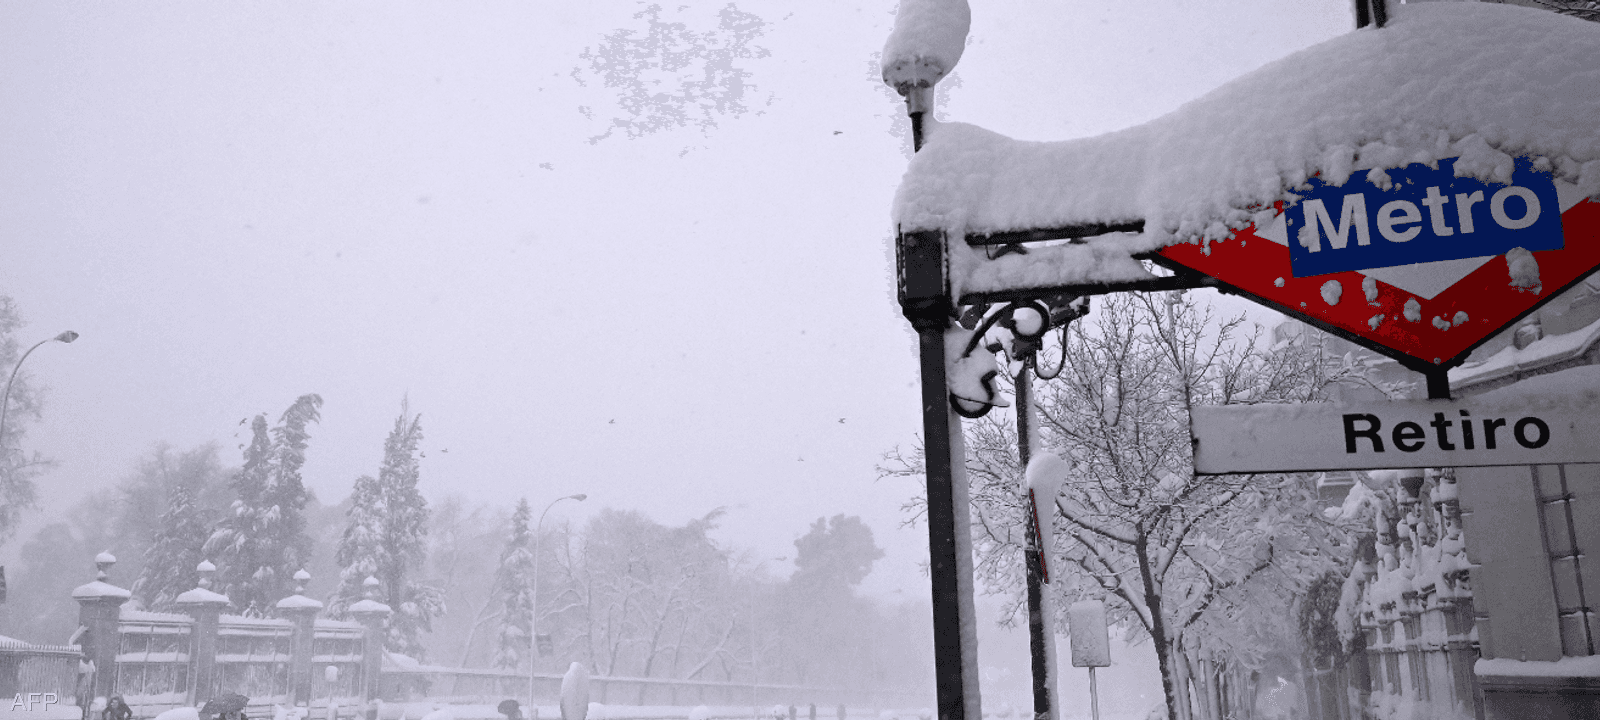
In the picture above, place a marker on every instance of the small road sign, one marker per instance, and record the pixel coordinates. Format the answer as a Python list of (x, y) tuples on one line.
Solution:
[(1529, 430), (1415, 263), (1090, 641)]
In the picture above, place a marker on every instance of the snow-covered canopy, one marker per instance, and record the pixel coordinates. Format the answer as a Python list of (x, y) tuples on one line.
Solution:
[(1484, 82)]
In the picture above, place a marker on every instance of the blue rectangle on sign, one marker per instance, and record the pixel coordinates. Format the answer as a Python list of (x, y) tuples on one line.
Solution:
[(1425, 215)]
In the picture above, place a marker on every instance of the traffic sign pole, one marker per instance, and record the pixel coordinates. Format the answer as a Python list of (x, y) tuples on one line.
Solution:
[(1038, 625)]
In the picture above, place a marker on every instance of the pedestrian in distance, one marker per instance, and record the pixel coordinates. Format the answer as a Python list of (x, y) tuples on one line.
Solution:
[(117, 709)]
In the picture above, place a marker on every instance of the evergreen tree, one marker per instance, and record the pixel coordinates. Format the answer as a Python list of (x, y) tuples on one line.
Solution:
[(361, 552), (513, 583), (386, 537), (151, 512), (835, 555), (170, 561), (262, 542)]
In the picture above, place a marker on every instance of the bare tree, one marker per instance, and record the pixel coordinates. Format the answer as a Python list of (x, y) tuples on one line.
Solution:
[(1186, 561), (1581, 9), (639, 598)]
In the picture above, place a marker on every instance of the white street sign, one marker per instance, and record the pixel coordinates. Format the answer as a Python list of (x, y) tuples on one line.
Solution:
[(1527, 430), (1091, 641)]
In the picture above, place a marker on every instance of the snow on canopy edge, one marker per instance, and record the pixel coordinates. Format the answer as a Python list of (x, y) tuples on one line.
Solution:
[(1442, 80)]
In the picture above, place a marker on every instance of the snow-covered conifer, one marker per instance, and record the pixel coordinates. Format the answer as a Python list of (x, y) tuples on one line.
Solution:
[(170, 561), (361, 552), (386, 537), (262, 542), (513, 587)]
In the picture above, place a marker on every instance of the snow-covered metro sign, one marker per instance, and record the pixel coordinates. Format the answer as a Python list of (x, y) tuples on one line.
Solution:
[(1412, 261)]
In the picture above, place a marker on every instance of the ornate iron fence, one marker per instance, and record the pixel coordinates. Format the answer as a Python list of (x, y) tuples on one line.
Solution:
[(26, 668), (153, 659), (253, 659)]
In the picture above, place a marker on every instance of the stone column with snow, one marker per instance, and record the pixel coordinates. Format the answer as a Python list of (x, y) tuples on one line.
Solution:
[(205, 606), (99, 610), (302, 611), (374, 616)]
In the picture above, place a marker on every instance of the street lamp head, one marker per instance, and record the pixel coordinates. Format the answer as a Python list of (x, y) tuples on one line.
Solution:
[(580, 497), (66, 337)]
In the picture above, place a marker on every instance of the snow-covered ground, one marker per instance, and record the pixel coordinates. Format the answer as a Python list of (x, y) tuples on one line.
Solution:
[(55, 712)]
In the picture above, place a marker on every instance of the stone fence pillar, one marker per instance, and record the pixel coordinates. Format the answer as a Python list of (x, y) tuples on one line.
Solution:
[(99, 609), (302, 611), (205, 606), (374, 616)]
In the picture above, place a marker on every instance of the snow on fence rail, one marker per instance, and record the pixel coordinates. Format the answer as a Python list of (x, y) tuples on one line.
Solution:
[(601, 711), (473, 685)]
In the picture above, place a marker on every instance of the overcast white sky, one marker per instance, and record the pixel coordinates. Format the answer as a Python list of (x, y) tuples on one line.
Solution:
[(239, 203)]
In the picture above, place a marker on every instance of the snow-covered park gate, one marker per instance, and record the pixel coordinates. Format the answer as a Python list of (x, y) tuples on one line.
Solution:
[(253, 657), (161, 660), (1327, 185), (158, 661)]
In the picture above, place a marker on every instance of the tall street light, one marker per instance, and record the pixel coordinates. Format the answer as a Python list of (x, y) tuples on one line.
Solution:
[(533, 619), (5, 401)]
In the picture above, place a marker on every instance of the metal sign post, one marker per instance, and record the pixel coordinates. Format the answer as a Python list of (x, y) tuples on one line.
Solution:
[(925, 300)]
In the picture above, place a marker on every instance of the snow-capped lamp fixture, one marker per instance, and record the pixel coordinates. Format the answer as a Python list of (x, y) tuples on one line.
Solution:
[(923, 47)]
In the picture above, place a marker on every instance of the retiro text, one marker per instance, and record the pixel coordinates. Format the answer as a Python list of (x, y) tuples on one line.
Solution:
[(1407, 436), (1495, 429)]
